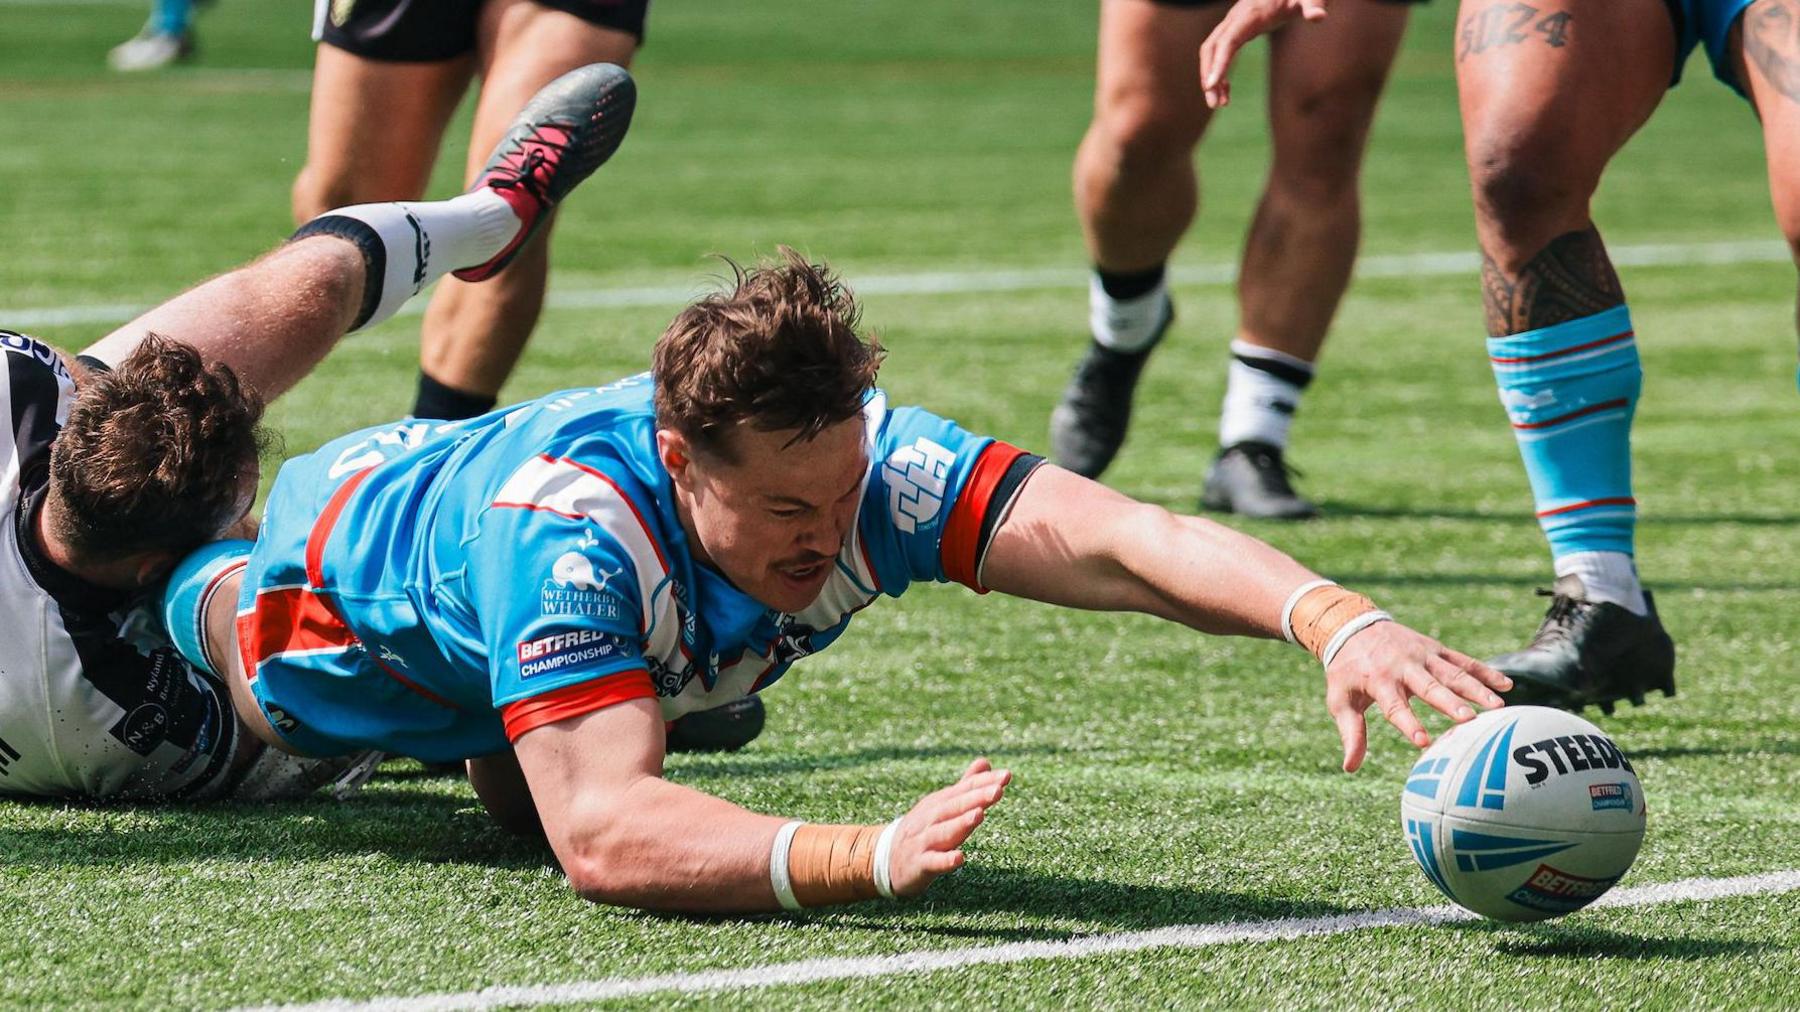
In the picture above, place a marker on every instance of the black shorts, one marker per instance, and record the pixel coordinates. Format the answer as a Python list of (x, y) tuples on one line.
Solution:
[(422, 31)]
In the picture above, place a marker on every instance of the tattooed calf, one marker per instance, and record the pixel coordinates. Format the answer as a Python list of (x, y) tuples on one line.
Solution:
[(1569, 279)]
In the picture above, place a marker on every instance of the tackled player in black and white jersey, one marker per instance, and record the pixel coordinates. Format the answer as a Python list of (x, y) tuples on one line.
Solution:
[(116, 463), (93, 702)]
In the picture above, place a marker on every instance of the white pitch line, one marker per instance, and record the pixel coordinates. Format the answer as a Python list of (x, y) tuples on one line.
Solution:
[(1405, 265), (1186, 936)]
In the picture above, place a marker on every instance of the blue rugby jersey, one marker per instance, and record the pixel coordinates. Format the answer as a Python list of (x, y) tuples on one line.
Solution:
[(440, 589)]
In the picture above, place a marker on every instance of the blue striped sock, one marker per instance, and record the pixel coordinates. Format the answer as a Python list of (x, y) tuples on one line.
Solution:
[(1570, 391), (171, 17), (191, 588)]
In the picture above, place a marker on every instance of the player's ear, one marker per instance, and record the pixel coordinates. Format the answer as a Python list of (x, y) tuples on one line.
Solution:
[(673, 450), (150, 568)]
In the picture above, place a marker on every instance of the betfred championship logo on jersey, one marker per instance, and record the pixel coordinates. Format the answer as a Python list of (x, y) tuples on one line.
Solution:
[(548, 654)]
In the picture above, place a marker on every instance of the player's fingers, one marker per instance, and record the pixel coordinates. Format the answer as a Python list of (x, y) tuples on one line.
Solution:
[(950, 834), (980, 765), (980, 796), (1491, 677), (1394, 708), (1354, 731), (1463, 683), (941, 862), (1217, 54), (1312, 10), (970, 781), (1423, 682)]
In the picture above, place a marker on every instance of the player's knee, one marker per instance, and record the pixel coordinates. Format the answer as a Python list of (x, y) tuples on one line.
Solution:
[(1140, 135), (1321, 134), (1523, 198)]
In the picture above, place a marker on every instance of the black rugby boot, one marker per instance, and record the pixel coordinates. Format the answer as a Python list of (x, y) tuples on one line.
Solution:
[(567, 130), (1088, 426), (724, 728), (1590, 652), (1251, 479)]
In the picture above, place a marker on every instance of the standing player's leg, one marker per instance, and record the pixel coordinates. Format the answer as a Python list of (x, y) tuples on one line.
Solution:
[(1764, 52), (166, 38), (1325, 80), (374, 127), (273, 320), (1549, 94), (472, 335), (1136, 193)]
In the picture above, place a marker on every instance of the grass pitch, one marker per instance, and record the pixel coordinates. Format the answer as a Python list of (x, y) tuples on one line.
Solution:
[(1162, 778)]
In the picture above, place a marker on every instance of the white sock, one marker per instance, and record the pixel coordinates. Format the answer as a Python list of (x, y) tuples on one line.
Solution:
[(1608, 576), (1262, 392), (1125, 324), (417, 242)]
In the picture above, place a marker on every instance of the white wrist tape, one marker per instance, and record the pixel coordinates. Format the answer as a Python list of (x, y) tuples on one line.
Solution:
[(778, 865), (1349, 629), (884, 858), (1287, 610)]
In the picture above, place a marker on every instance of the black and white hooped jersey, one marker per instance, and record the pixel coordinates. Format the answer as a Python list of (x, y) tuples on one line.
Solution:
[(93, 703)]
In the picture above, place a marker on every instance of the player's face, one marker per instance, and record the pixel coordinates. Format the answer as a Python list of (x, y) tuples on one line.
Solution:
[(774, 519)]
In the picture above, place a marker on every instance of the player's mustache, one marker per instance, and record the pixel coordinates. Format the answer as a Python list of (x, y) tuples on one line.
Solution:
[(801, 561)]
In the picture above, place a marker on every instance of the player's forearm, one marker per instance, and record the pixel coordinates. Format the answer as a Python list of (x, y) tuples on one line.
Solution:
[(657, 845), (1206, 575)]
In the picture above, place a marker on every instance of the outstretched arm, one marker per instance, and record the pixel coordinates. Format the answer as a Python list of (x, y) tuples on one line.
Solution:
[(1074, 542), (626, 836)]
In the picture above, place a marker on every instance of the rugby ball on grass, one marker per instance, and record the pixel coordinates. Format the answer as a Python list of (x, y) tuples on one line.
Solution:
[(1523, 814)]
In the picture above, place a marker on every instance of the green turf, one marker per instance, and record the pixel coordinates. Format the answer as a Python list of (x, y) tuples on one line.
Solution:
[(1163, 778)]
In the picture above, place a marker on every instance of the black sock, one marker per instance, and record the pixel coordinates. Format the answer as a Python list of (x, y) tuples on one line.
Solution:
[(367, 241), (1132, 284), (435, 400)]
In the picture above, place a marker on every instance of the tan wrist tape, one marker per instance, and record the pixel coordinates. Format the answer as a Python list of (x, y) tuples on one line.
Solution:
[(1324, 610), (833, 864)]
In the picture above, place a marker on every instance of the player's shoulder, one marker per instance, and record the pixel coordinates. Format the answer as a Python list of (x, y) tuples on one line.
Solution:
[(36, 391), (25, 359)]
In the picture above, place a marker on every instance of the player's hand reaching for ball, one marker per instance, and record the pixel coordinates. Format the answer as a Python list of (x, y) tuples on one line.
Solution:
[(929, 841), (1386, 665)]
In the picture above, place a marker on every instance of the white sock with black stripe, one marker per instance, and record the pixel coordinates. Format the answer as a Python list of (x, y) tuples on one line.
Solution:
[(1262, 392), (406, 245)]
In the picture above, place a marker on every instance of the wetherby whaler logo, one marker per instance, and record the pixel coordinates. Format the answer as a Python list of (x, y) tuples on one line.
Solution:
[(575, 588)]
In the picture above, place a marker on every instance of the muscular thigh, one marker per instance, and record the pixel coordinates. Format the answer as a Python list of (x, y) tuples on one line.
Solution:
[(1325, 78), (1148, 76), (1560, 83), (1764, 48), (523, 45), (375, 125)]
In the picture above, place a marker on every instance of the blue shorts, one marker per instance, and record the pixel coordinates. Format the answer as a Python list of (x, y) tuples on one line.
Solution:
[(1709, 22), (312, 676)]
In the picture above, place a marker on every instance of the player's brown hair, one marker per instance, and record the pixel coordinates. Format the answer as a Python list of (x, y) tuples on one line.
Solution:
[(779, 349), (155, 454)]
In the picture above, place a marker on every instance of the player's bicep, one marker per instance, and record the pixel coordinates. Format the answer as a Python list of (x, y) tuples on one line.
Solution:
[(579, 768)]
